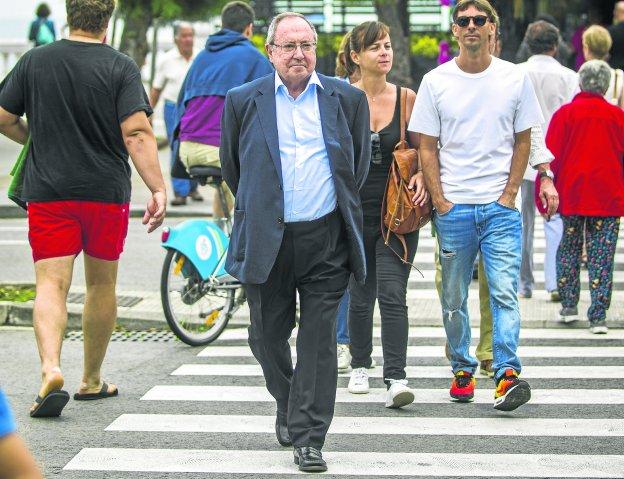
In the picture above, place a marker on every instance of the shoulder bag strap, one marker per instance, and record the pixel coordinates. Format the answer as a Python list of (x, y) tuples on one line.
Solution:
[(403, 110)]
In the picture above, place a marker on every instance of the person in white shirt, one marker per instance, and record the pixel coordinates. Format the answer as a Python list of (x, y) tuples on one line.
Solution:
[(170, 74), (480, 110), (554, 86)]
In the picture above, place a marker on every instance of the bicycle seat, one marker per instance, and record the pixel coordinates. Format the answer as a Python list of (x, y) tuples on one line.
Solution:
[(206, 174)]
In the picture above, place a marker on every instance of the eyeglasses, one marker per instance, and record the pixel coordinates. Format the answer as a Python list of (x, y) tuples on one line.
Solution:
[(375, 148), (464, 21), (306, 47)]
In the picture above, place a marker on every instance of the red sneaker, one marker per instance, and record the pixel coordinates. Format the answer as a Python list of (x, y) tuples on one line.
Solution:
[(463, 386), (511, 392)]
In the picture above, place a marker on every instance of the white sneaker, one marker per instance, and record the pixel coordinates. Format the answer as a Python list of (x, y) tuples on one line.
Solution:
[(358, 383), (344, 357), (399, 394), (599, 327)]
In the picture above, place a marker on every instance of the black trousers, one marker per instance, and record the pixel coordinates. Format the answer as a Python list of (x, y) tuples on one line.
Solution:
[(386, 281), (313, 260)]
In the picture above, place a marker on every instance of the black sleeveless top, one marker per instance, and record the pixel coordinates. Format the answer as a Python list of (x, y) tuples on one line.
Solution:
[(374, 187)]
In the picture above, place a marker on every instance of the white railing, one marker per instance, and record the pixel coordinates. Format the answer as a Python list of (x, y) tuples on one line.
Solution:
[(10, 52)]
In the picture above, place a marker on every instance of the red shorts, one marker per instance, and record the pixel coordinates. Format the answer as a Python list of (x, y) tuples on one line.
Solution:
[(65, 228)]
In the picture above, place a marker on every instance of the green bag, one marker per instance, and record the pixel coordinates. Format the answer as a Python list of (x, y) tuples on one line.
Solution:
[(17, 183)]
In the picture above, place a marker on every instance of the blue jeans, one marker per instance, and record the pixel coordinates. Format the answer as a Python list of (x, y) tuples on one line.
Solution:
[(342, 326), (181, 186), (496, 232)]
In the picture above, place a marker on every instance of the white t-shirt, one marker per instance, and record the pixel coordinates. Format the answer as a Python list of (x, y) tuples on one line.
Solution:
[(475, 117), (170, 73)]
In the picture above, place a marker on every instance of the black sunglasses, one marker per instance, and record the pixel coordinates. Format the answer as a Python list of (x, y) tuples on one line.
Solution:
[(464, 21), (375, 148)]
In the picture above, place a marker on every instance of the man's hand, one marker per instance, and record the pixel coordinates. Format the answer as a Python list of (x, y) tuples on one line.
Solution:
[(442, 205), (155, 211), (549, 196), (508, 200), (421, 196)]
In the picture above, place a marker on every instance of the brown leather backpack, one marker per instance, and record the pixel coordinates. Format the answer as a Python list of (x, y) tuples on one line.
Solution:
[(399, 215)]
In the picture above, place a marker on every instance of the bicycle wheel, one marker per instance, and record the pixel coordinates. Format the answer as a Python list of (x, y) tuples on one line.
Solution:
[(196, 312)]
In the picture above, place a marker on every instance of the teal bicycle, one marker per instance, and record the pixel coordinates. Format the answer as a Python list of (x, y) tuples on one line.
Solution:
[(198, 296)]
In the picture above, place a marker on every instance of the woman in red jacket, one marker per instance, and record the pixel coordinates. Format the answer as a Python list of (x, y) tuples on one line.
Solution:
[(586, 137)]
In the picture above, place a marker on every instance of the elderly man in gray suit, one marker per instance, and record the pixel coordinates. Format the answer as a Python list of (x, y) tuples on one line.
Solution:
[(295, 149)]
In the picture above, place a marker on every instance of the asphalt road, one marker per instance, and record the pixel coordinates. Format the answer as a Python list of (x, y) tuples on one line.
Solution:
[(139, 366)]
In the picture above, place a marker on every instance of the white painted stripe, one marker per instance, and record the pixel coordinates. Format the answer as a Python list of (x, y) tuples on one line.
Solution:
[(13, 228), (378, 395), (350, 463), (371, 425), (13, 242), (433, 332), (429, 275), (438, 351), (414, 372)]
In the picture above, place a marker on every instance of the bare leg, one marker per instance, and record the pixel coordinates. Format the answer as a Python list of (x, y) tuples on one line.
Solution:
[(98, 319), (53, 277), (16, 460)]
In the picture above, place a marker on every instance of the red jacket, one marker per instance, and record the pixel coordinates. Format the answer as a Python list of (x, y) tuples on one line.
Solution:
[(586, 137)]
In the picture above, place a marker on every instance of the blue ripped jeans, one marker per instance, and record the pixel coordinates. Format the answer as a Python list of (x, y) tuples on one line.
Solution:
[(495, 231)]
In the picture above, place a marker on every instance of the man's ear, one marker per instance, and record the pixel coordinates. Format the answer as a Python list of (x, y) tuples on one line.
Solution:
[(248, 31), (455, 30)]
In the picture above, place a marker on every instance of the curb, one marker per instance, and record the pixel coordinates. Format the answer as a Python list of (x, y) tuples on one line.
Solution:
[(20, 314)]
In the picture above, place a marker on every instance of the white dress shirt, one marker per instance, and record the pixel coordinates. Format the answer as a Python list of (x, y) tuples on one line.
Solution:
[(309, 191), (170, 73), (555, 85)]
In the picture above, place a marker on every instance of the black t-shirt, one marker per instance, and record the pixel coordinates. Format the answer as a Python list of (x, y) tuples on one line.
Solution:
[(617, 49), (374, 189), (75, 95)]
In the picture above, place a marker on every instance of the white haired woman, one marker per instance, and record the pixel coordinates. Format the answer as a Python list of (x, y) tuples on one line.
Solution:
[(586, 137)]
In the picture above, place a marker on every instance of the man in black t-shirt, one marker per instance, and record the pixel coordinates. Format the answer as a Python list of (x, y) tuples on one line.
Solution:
[(87, 111)]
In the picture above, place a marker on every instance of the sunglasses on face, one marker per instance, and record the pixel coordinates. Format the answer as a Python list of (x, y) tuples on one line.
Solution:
[(478, 20), (375, 149)]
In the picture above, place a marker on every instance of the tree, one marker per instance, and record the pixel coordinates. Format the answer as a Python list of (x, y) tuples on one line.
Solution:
[(140, 15)]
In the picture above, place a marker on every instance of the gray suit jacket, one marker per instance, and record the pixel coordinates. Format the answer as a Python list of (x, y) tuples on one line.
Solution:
[(252, 168)]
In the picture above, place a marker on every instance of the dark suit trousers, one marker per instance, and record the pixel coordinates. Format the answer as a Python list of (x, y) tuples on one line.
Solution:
[(313, 260)]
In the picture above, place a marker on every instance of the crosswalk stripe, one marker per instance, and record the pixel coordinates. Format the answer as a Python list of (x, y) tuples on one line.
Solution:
[(350, 463), (426, 426), (378, 395), (438, 351), (438, 332), (414, 372)]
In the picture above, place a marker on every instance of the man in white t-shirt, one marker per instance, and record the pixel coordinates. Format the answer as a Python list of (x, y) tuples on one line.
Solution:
[(480, 110), (170, 74), (554, 86)]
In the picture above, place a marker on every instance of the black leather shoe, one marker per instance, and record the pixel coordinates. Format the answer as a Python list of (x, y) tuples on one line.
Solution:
[(281, 431), (309, 459)]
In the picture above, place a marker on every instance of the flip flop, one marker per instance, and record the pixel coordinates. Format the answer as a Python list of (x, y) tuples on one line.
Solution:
[(51, 404), (102, 394)]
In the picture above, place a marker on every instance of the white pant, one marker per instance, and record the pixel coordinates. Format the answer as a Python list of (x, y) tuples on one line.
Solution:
[(553, 230)]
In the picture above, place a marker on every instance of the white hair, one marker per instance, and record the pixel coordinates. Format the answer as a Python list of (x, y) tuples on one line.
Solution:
[(177, 26), (278, 18), (595, 76)]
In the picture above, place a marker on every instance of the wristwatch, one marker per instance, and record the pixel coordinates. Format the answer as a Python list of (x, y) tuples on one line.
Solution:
[(547, 174)]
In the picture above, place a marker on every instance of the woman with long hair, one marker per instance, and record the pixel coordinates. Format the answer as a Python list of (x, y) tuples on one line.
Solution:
[(387, 274)]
